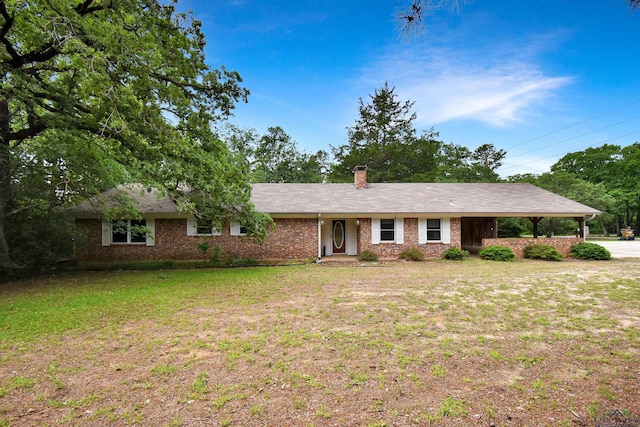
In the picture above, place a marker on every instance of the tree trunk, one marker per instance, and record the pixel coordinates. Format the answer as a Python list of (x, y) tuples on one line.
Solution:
[(5, 179), (605, 231)]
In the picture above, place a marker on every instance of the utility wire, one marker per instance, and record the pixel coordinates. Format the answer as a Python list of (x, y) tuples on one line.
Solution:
[(578, 136), (584, 148), (575, 124)]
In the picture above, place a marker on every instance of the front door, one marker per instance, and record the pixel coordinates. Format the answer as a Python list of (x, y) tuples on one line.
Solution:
[(339, 236)]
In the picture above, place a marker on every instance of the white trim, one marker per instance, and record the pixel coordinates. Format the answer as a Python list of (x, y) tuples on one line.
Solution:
[(422, 231), (192, 226), (235, 229), (399, 231), (445, 230), (106, 233), (375, 231), (352, 236), (151, 233)]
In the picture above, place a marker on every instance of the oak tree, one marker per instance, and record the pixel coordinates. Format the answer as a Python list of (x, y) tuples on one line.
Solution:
[(98, 91)]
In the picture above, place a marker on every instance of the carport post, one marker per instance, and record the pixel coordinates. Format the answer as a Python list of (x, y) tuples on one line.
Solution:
[(535, 220)]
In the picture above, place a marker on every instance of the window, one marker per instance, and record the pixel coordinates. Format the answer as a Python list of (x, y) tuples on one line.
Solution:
[(129, 231), (238, 229), (387, 230), (204, 227), (434, 229)]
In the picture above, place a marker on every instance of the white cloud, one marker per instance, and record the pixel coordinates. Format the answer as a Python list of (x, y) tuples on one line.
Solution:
[(496, 85)]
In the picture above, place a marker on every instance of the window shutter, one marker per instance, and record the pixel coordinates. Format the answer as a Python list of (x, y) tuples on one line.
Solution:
[(151, 232), (192, 226), (375, 231), (399, 231), (106, 233), (235, 229), (422, 231), (446, 230), (216, 231)]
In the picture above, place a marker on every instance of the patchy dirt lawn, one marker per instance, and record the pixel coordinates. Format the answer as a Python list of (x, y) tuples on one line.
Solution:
[(435, 343)]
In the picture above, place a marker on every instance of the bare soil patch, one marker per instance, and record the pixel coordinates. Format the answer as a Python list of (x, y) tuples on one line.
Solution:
[(435, 343)]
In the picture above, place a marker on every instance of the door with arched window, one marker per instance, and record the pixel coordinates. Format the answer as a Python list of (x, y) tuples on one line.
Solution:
[(339, 236)]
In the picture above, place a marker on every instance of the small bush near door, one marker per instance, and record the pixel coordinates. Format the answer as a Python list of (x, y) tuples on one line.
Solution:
[(542, 251), (497, 253)]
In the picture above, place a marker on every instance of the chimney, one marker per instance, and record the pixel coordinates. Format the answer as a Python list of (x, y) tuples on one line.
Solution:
[(360, 177)]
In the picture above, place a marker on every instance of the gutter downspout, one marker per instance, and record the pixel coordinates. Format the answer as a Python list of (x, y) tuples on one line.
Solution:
[(319, 238)]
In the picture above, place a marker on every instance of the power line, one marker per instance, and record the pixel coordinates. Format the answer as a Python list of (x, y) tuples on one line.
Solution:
[(584, 148), (575, 124), (579, 136)]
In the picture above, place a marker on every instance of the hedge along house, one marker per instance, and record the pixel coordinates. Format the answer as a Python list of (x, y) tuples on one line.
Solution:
[(316, 221)]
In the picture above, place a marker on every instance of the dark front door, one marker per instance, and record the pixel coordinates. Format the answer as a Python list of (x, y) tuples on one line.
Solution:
[(339, 236)]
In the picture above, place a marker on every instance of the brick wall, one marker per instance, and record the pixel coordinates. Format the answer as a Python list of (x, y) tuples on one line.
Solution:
[(392, 250), (517, 245), (295, 238)]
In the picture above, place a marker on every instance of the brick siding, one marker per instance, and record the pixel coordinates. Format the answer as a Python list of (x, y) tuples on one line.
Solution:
[(294, 238), (392, 250), (517, 245)]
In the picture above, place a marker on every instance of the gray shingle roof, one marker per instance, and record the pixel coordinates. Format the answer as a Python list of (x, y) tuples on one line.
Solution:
[(414, 198), (398, 198)]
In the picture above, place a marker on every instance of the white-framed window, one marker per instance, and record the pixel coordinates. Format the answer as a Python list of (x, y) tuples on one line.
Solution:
[(238, 229), (387, 230), (202, 227), (128, 231), (434, 229)]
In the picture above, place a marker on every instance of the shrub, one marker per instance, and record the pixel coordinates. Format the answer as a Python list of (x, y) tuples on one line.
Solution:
[(220, 257), (497, 253), (367, 255), (456, 254), (542, 251), (590, 251), (412, 254)]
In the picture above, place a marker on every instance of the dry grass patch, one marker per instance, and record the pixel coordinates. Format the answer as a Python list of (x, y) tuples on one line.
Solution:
[(433, 343)]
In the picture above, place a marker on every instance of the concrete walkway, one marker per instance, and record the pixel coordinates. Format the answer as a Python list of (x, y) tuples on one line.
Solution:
[(621, 248)]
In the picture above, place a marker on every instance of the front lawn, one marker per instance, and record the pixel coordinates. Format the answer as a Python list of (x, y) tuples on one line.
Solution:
[(442, 343)]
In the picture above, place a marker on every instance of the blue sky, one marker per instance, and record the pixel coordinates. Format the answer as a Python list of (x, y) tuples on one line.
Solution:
[(536, 78)]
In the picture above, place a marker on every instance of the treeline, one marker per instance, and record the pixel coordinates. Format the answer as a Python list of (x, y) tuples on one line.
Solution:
[(385, 139)]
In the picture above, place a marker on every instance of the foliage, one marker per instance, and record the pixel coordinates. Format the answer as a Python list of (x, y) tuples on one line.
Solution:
[(79, 113), (220, 257), (592, 251), (274, 156), (412, 254), (384, 139), (459, 164), (510, 227), (497, 253), (542, 251), (455, 254), (367, 255)]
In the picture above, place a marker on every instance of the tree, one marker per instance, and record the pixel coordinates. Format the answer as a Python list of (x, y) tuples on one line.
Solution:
[(459, 164), (278, 159), (384, 139), (412, 18), (274, 156), (95, 91)]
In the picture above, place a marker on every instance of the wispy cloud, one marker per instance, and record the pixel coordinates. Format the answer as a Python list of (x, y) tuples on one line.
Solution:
[(497, 85)]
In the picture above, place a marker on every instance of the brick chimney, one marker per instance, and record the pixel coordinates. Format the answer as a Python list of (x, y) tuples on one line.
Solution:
[(360, 177)]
